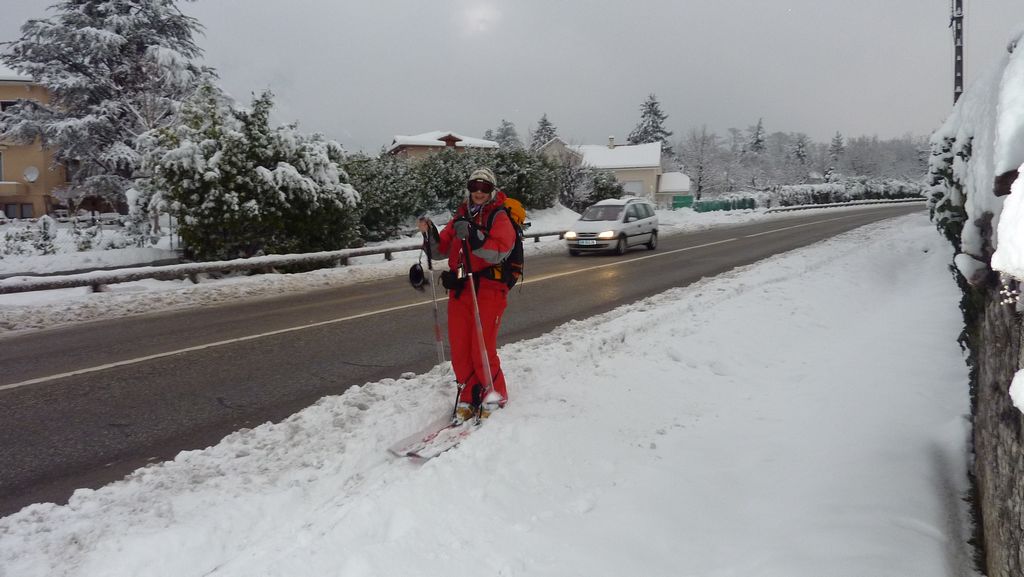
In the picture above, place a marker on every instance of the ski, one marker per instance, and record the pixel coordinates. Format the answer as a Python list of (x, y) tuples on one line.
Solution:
[(436, 438)]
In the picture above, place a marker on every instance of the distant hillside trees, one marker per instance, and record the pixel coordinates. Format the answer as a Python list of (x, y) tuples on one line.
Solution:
[(114, 70), (756, 159)]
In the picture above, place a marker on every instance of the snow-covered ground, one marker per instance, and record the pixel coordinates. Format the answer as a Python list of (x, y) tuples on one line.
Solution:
[(803, 416)]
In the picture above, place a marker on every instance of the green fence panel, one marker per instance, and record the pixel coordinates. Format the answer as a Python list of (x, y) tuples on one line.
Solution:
[(681, 201)]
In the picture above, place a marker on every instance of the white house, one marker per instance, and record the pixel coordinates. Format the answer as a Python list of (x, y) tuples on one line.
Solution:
[(636, 166), (419, 145)]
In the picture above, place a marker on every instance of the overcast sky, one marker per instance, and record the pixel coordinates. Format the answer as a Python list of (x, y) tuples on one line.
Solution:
[(362, 72)]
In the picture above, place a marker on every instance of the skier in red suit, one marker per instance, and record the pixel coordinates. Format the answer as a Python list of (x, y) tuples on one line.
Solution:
[(488, 247)]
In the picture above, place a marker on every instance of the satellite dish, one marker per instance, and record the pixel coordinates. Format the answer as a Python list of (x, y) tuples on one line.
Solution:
[(31, 174)]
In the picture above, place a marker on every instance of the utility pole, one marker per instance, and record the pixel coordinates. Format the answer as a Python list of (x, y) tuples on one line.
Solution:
[(956, 22)]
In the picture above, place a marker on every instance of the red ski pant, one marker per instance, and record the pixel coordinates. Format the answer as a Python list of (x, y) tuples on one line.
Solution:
[(463, 340)]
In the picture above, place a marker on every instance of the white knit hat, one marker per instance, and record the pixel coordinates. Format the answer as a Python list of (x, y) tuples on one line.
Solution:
[(486, 175)]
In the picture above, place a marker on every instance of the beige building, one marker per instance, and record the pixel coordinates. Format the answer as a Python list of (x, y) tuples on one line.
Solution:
[(420, 145), (28, 174)]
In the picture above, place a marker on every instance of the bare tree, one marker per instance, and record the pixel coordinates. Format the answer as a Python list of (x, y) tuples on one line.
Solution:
[(702, 157)]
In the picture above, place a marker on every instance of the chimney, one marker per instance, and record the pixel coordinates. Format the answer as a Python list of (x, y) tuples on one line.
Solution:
[(611, 142)]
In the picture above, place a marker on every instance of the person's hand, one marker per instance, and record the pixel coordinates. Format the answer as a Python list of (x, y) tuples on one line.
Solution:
[(463, 228), (467, 231)]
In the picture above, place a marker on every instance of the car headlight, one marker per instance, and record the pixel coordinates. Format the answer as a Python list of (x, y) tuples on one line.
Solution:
[(606, 235), (570, 235)]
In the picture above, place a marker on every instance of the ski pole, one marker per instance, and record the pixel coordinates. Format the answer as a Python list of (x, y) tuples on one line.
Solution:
[(479, 325), (433, 295)]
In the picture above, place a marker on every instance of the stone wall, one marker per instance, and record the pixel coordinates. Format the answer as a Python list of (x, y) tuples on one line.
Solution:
[(998, 468)]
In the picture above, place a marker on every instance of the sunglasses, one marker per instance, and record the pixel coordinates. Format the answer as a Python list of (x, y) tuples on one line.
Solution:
[(480, 186)]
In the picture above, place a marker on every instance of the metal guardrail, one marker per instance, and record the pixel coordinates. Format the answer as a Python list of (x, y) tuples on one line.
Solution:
[(98, 279), (191, 271)]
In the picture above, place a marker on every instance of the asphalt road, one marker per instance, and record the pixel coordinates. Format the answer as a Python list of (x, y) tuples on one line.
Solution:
[(86, 404)]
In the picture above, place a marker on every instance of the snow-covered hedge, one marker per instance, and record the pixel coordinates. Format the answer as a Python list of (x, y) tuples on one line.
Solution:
[(846, 190)]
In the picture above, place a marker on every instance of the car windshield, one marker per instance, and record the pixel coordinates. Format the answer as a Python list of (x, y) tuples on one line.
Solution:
[(611, 212)]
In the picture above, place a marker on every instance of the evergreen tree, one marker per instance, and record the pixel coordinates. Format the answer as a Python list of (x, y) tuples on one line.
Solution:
[(573, 188), (603, 185), (756, 138), (114, 70), (798, 159), (507, 137), (836, 148), (651, 127), (753, 155), (544, 133)]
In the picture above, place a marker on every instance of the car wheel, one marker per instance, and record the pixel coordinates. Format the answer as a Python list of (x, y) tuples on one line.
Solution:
[(620, 247), (574, 252), (653, 243)]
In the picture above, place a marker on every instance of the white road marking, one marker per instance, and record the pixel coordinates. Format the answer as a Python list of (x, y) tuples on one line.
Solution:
[(138, 360)]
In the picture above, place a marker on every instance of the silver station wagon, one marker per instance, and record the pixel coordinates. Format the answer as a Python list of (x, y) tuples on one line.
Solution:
[(614, 225)]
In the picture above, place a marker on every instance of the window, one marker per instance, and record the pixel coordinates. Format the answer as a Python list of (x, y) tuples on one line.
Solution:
[(602, 212), (11, 210), (26, 211), (5, 104), (635, 187)]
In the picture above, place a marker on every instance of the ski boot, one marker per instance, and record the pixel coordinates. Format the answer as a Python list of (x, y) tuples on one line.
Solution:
[(463, 413)]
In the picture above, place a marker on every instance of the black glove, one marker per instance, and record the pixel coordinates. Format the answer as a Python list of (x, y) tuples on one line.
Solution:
[(432, 233), (466, 230), (451, 281)]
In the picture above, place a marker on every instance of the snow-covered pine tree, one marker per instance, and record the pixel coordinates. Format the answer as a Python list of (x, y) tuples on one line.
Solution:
[(573, 186), (114, 69), (507, 137), (756, 138), (651, 127), (800, 149), (544, 133), (603, 185), (836, 148)]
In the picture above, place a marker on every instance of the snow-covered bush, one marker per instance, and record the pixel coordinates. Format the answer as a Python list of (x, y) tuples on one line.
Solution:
[(241, 187), (85, 237), (442, 175), (32, 238), (46, 234), (529, 177), (18, 242), (388, 197)]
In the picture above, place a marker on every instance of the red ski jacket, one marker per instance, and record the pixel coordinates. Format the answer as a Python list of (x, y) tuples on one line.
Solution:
[(496, 247)]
